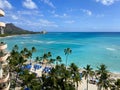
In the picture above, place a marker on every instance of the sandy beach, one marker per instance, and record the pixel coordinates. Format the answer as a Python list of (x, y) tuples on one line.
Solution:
[(82, 84)]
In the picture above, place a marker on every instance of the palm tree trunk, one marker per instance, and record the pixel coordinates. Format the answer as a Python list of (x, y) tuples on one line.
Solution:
[(87, 83), (16, 80), (99, 87), (66, 60)]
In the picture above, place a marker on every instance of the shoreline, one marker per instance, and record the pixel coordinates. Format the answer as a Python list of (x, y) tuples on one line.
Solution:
[(112, 74), (14, 35), (18, 35)]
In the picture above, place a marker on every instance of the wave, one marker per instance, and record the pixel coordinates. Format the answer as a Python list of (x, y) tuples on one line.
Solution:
[(45, 42), (50, 42), (26, 37), (111, 49), (37, 41), (22, 42), (9, 36), (75, 43)]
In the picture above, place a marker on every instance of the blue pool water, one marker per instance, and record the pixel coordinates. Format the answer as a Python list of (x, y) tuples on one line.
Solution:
[(87, 48)]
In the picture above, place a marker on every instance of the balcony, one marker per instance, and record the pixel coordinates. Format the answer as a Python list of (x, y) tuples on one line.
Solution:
[(3, 45), (3, 56), (2, 24), (1, 13), (4, 79), (5, 86)]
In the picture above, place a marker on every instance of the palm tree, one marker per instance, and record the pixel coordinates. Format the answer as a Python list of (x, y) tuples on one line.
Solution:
[(58, 59), (102, 69), (37, 59), (46, 57), (17, 59), (103, 77), (67, 51), (49, 54), (75, 73), (27, 78), (15, 47), (25, 49), (87, 72), (33, 49), (59, 78), (117, 84)]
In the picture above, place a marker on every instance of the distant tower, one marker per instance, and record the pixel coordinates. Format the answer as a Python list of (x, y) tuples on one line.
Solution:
[(4, 68), (2, 24)]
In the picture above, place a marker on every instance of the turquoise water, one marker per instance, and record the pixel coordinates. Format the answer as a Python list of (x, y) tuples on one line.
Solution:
[(87, 48)]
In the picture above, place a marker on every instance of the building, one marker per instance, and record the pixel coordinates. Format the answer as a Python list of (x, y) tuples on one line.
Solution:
[(4, 68), (2, 24)]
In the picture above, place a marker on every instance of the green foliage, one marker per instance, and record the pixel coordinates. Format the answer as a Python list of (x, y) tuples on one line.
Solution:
[(103, 77), (87, 73), (60, 78), (17, 59), (67, 51)]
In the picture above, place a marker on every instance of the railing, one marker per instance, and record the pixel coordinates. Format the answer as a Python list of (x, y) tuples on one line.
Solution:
[(2, 24), (1, 12), (3, 46), (4, 78), (3, 57), (5, 86)]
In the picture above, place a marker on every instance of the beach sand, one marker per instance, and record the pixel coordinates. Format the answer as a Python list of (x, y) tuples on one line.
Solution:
[(83, 83)]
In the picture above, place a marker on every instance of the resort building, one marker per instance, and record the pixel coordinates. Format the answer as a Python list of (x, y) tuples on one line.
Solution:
[(4, 69), (2, 24)]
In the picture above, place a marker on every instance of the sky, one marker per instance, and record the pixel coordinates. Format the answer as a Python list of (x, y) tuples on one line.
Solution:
[(63, 15)]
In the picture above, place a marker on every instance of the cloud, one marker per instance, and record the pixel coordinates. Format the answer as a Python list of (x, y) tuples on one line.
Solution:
[(106, 2), (29, 4), (49, 3), (88, 12), (70, 21), (61, 16), (14, 17), (46, 23), (27, 12), (5, 4), (39, 23)]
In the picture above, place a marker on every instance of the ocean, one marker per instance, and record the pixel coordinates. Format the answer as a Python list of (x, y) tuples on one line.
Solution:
[(92, 48)]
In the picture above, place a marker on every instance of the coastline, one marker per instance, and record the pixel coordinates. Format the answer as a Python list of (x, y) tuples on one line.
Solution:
[(112, 74), (16, 35)]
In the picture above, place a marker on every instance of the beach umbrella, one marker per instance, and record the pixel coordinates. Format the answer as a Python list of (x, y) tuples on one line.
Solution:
[(36, 66), (28, 66), (27, 89), (81, 76)]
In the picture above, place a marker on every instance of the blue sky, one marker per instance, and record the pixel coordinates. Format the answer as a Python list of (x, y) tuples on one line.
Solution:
[(63, 15)]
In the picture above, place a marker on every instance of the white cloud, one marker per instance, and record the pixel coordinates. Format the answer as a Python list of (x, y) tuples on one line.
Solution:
[(88, 12), (49, 3), (106, 2), (29, 4), (61, 16), (46, 23), (26, 12), (70, 21), (40, 23), (14, 17), (5, 4)]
